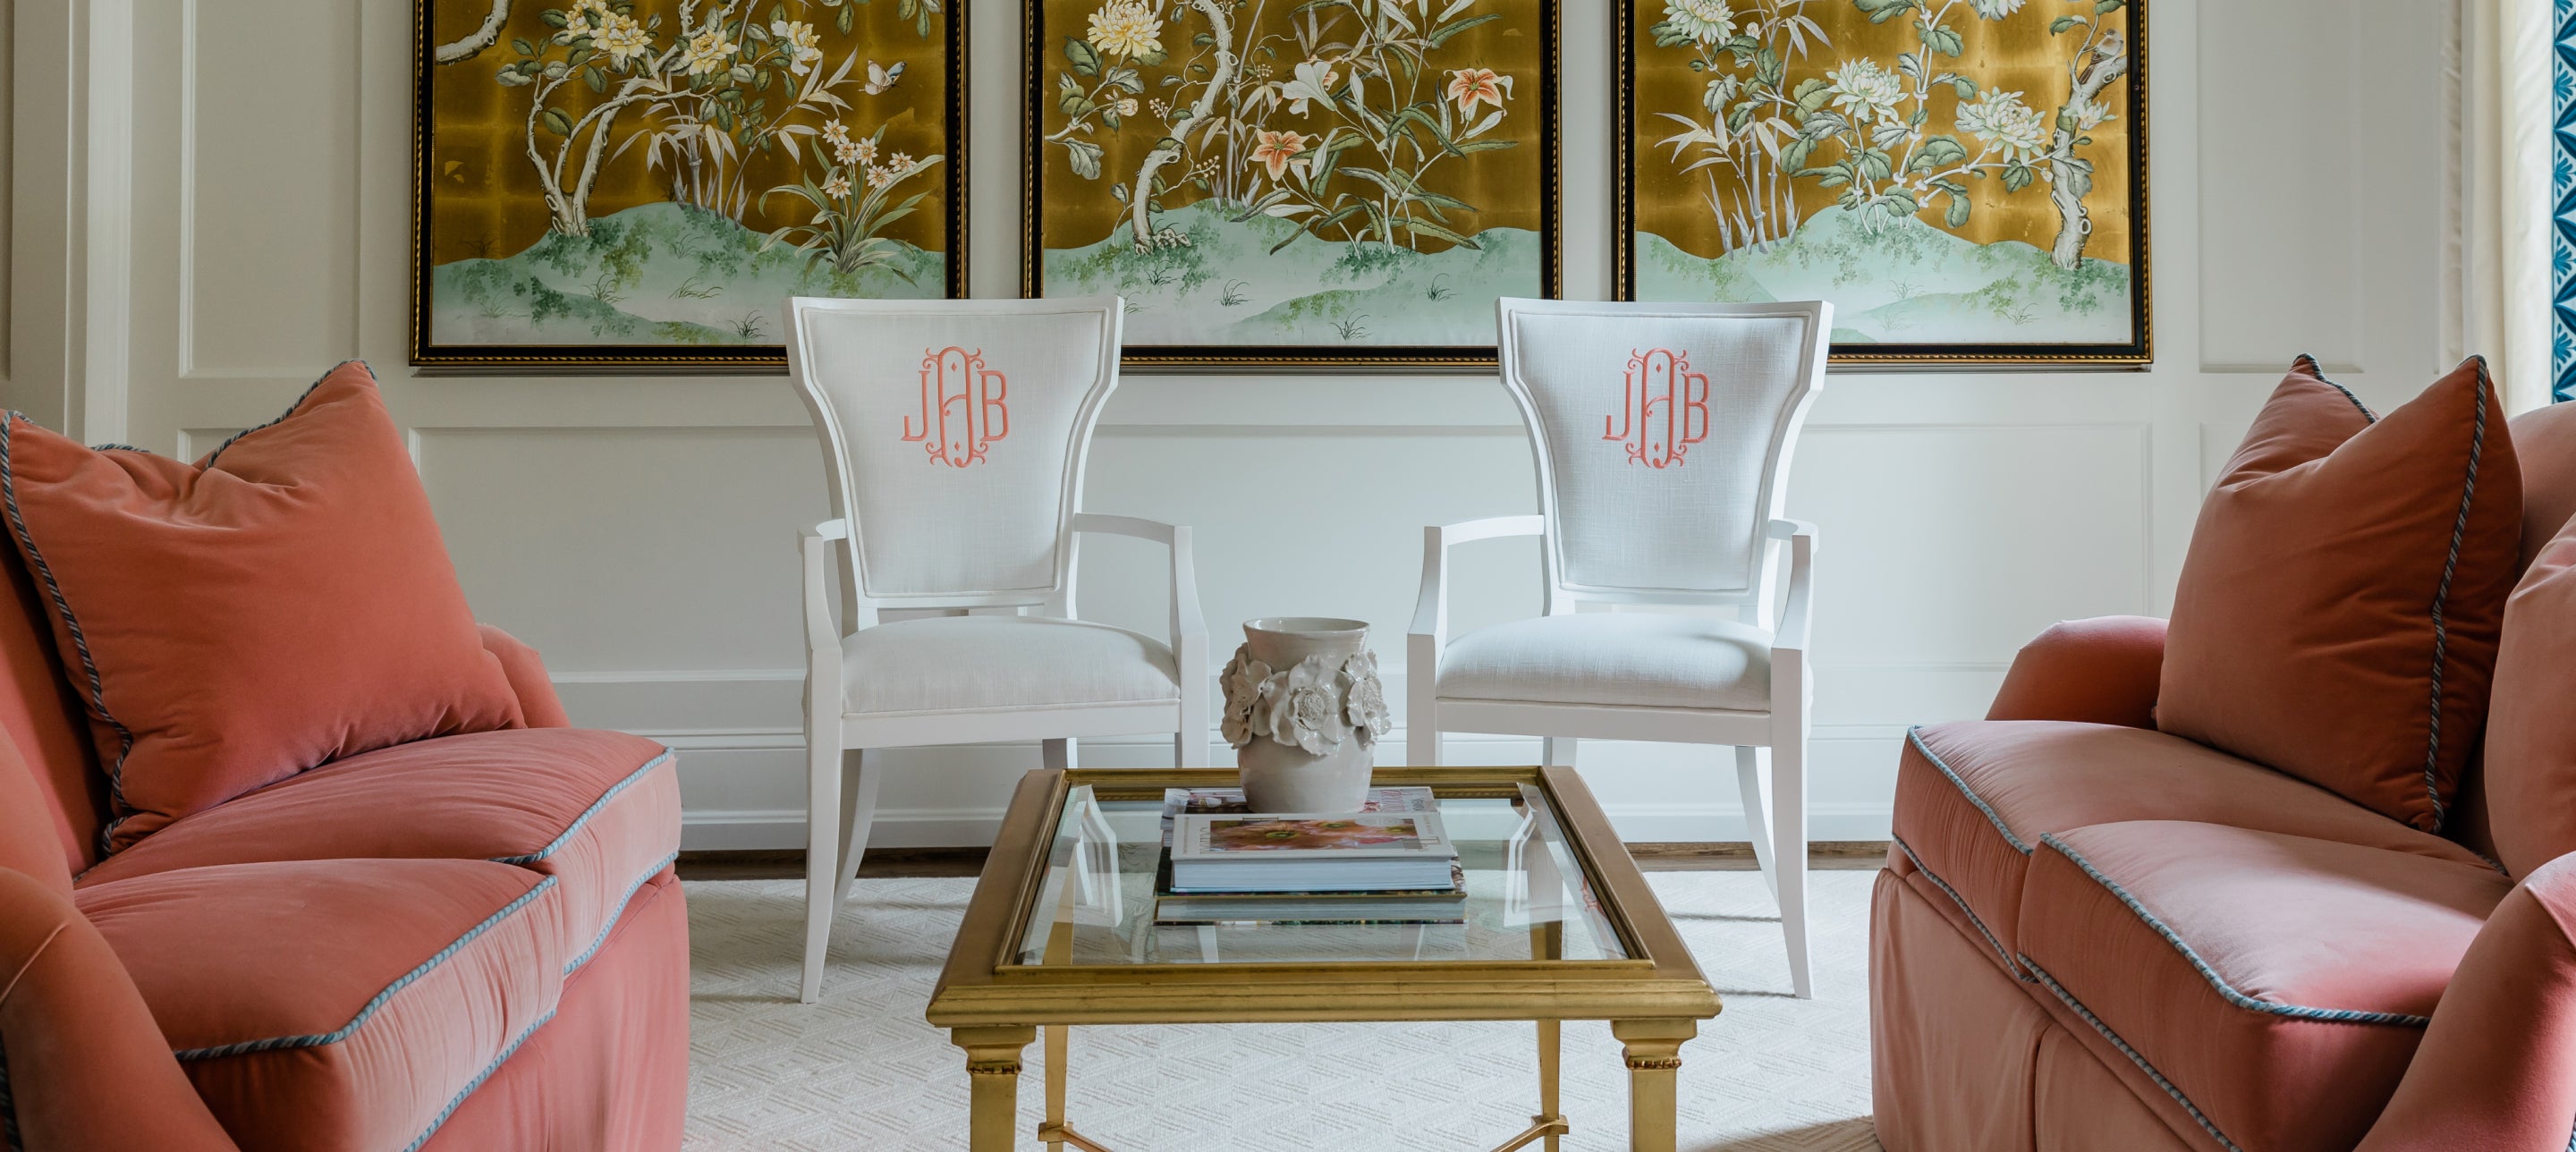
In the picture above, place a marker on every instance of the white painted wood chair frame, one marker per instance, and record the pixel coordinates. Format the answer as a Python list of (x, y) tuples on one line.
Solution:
[(842, 778), (1771, 747)]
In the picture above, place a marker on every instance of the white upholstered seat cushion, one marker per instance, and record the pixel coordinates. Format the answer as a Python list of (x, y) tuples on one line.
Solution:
[(954, 663), (1635, 659)]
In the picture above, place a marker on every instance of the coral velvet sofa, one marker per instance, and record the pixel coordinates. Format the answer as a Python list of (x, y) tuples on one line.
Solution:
[(470, 942), (2093, 935)]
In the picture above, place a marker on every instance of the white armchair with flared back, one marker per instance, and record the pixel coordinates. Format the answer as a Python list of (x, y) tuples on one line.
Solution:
[(1663, 434), (955, 435)]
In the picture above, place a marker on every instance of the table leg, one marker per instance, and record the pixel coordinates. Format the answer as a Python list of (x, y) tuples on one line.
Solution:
[(1057, 1037), (993, 1071), (1547, 942), (1654, 1065)]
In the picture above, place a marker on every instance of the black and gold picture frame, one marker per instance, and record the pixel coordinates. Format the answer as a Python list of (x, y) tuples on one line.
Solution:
[(644, 183), (1329, 183), (1965, 179)]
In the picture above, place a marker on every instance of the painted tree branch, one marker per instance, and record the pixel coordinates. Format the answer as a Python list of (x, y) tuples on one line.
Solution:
[(1140, 203), (2068, 183), (483, 37)]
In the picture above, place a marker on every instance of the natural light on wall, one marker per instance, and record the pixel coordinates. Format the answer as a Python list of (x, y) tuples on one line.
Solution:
[(2518, 240)]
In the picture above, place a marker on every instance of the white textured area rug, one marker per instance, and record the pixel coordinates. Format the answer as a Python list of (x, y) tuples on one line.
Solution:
[(861, 1070)]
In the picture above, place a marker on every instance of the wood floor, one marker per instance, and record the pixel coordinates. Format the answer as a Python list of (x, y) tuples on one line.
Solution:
[(1721, 856)]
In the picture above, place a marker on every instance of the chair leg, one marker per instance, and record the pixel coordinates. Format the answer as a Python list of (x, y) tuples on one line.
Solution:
[(1789, 853), (822, 847), (858, 811), (1190, 744), (1749, 777), (1058, 754), (1558, 751), (1422, 734)]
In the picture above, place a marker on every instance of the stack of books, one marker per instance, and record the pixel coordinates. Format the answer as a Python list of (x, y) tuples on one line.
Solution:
[(1391, 864)]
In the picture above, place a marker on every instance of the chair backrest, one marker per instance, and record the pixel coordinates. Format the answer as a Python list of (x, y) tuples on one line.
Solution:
[(1663, 434), (955, 433)]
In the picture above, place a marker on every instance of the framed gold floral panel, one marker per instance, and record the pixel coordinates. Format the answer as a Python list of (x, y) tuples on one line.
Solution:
[(1966, 180), (644, 183), (1276, 183)]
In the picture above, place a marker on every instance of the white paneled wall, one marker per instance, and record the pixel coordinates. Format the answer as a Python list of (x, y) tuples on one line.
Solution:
[(197, 229)]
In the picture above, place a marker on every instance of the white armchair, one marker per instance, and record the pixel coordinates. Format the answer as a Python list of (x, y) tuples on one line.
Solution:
[(1663, 434), (955, 435)]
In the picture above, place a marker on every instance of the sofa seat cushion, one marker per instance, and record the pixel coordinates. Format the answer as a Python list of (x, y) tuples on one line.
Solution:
[(1633, 659), (331, 1005), (2275, 986), (598, 811), (1974, 798)]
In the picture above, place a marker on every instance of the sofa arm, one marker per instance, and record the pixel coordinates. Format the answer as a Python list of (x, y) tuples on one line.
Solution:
[(527, 673), (2099, 671), (2497, 1068), (85, 1065)]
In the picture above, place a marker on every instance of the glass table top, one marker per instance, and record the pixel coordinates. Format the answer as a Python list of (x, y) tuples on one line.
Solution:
[(1528, 896)]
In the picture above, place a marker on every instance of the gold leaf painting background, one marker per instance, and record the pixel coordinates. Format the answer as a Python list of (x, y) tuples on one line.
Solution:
[(2015, 53), (1503, 184), (484, 197)]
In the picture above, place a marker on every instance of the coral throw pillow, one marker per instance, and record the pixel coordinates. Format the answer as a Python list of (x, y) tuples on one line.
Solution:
[(2339, 607), (2531, 732), (281, 603)]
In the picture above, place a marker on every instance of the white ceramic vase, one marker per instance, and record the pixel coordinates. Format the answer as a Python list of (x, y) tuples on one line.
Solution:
[(1304, 711)]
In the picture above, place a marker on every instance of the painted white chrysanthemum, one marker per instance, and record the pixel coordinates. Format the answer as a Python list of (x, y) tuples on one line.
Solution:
[(709, 51), (1995, 9), (1866, 90), (623, 39), (2002, 120), (802, 44), (1706, 21), (2089, 115), (1126, 28)]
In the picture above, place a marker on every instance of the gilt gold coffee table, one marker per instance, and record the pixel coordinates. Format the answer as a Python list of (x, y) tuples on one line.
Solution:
[(1560, 926)]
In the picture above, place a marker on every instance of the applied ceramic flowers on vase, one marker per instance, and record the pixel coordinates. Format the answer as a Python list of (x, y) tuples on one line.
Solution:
[(1241, 682), (1312, 706), (1364, 698), (1298, 709)]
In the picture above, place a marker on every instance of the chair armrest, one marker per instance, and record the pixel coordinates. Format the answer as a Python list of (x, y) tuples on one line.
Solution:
[(2100, 671), (1431, 611), (1798, 614), (822, 637), (87, 1066), (526, 672), (1189, 624), (2497, 1066)]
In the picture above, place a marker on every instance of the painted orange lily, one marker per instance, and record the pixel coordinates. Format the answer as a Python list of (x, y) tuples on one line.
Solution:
[(1473, 86), (1275, 149)]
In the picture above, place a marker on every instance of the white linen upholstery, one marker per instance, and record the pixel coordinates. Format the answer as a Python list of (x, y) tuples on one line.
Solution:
[(1675, 495), (1633, 659), (955, 428), (958, 663)]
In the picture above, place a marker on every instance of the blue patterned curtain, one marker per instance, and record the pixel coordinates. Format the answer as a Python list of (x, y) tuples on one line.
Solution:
[(2562, 180)]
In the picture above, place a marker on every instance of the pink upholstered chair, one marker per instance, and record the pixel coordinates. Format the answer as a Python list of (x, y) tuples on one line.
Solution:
[(955, 434), (1663, 434)]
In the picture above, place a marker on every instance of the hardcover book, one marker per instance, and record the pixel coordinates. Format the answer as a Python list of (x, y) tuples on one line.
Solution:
[(1306, 852)]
